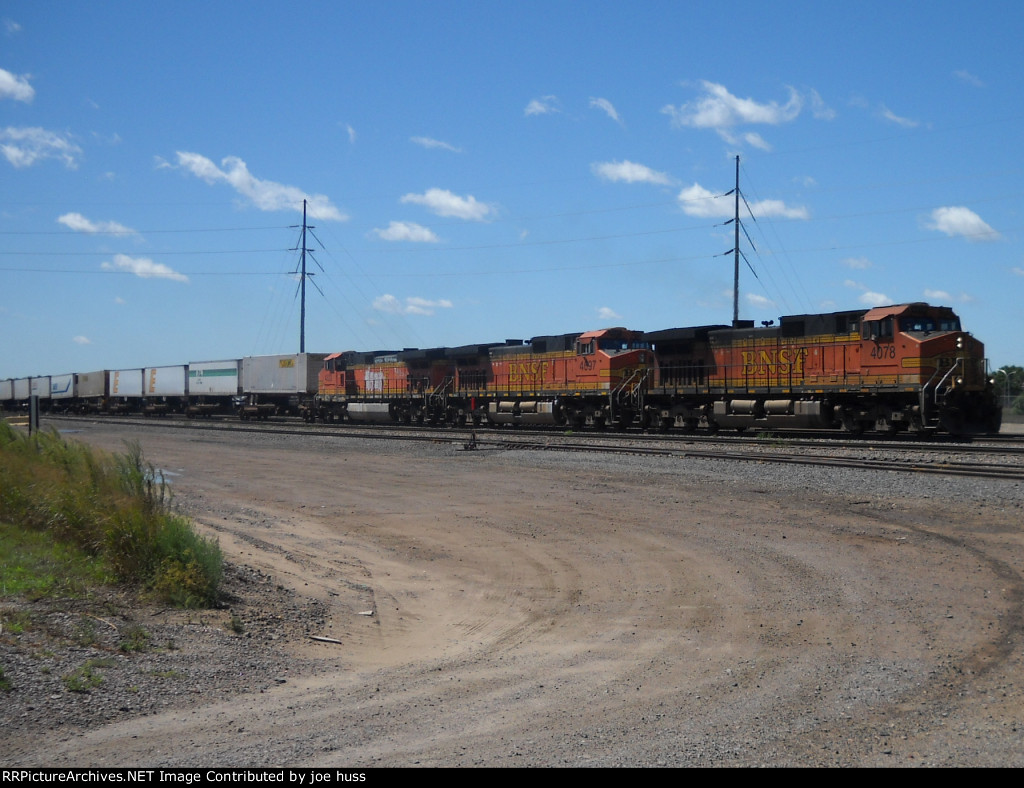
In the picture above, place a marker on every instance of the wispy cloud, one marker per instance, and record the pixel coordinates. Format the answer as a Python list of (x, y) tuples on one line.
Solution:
[(892, 117), (629, 172), (607, 313), (606, 107), (264, 195), (968, 78), (25, 146), (81, 340), (11, 28), (406, 231), (16, 87), (427, 142), (937, 295), (1018, 270), (759, 301), (868, 297), (444, 203), (351, 133), (858, 263), (78, 223), (697, 201), (545, 105), (958, 220), (144, 268), (412, 305)]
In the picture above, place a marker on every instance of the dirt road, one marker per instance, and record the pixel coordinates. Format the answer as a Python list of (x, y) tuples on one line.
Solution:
[(511, 609)]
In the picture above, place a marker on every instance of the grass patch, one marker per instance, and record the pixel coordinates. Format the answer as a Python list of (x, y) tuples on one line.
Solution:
[(87, 677), (135, 638), (73, 517), (5, 683)]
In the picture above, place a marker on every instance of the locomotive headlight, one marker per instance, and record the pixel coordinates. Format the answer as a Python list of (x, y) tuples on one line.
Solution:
[(959, 381), (959, 343)]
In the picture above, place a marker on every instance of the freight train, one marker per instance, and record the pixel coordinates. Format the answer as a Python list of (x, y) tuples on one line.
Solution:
[(907, 367)]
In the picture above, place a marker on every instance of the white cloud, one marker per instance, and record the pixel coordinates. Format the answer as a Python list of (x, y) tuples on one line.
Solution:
[(606, 106), (427, 142), (697, 201), (23, 147), (16, 87), (755, 140), (545, 105), (264, 195), (443, 203), (629, 171), (412, 305), (80, 340), (351, 133), (760, 301), (718, 109), (958, 220), (607, 313), (968, 78), (143, 268), (1017, 270), (892, 117), (78, 223), (119, 300), (869, 298), (407, 231), (858, 263), (11, 27), (937, 295)]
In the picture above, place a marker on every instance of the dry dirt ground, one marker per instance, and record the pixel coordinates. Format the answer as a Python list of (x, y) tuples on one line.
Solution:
[(511, 609)]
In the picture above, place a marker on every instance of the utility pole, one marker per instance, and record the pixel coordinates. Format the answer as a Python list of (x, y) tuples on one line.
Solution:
[(302, 285), (736, 250)]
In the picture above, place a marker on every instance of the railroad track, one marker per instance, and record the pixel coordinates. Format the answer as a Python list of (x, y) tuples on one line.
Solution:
[(919, 457)]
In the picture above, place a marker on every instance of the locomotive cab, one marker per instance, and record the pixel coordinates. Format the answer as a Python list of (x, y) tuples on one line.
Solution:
[(921, 349)]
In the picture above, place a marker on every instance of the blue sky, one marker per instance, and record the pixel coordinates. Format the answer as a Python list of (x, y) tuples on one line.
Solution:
[(480, 171)]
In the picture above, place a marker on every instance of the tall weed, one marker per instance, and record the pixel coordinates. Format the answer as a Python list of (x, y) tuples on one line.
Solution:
[(116, 507)]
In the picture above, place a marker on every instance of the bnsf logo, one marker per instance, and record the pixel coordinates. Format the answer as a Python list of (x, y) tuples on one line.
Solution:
[(784, 361)]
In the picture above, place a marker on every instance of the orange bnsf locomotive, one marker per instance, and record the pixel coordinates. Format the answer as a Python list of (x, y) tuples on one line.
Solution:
[(890, 369)]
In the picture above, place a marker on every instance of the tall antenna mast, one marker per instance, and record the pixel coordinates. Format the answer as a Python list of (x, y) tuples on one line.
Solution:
[(736, 250)]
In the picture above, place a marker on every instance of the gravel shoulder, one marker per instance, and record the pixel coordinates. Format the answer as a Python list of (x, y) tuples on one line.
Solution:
[(396, 605)]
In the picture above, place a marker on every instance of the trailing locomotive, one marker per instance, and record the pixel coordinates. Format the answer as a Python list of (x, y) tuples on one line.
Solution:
[(907, 367)]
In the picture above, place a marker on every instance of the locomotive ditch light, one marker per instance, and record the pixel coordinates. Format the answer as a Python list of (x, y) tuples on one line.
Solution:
[(959, 381)]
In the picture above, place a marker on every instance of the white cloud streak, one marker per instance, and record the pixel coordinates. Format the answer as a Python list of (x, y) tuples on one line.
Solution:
[(406, 231), (81, 340), (606, 107), (892, 117), (428, 142), (629, 172), (697, 201), (444, 203), (16, 87), (607, 313), (412, 305), (958, 220), (264, 195), (23, 147), (80, 224), (143, 268)]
